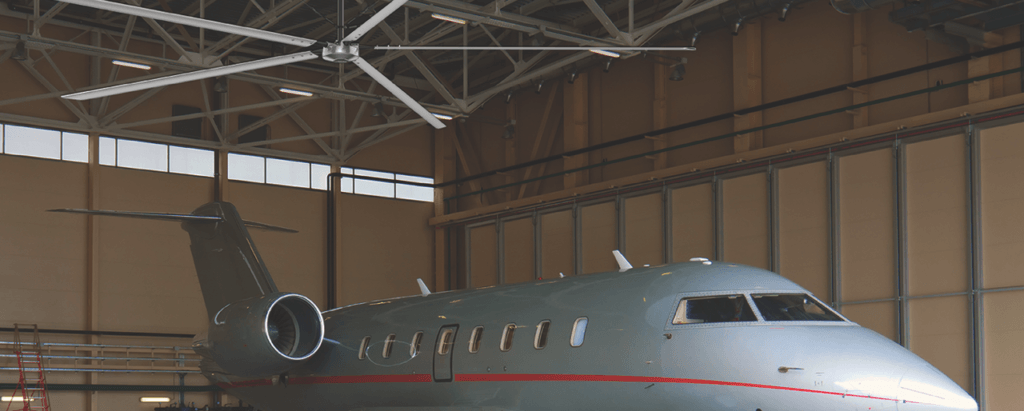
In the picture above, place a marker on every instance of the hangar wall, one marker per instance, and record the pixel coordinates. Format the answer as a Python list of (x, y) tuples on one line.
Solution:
[(914, 235), (132, 275)]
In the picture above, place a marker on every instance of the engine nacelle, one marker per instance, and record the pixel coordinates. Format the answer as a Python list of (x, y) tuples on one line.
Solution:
[(263, 336)]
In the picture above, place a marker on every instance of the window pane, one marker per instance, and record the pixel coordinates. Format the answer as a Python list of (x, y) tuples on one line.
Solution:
[(363, 346), (579, 331), (474, 340), (32, 142), (193, 161), (141, 155), (318, 176), (245, 168), (1, 138), (287, 172), (541, 339), (345, 186), (506, 337), (414, 179), (792, 307), (388, 343), (75, 147), (374, 188), (713, 310), (414, 348), (417, 193), (108, 151), (446, 342)]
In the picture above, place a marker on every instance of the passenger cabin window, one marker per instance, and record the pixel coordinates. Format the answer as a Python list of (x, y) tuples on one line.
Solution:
[(579, 331), (792, 307), (446, 342), (714, 309), (540, 340), (474, 339), (506, 337), (414, 348), (363, 346), (388, 343)]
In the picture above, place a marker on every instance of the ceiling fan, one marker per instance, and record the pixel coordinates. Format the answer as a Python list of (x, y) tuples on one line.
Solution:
[(344, 51)]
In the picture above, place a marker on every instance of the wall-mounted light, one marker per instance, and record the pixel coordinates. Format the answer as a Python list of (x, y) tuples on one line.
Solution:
[(450, 19), (508, 97), (16, 398), (608, 65), (678, 71), (572, 76), (510, 130), (292, 91), (694, 38), (20, 51), (139, 66), (608, 53), (154, 399), (784, 11), (378, 109), (540, 85), (737, 26), (220, 84), (442, 116)]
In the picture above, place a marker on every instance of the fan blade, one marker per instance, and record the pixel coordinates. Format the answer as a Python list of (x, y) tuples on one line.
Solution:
[(574, 48), (194, 22), (193, 75), (394, 89), (373, 21)]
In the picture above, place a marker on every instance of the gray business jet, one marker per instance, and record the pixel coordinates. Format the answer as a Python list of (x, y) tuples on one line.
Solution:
[(700, 335)]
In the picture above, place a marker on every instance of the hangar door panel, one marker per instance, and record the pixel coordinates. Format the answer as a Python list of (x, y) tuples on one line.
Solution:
[(940, 333), (804, 227), (866, 222), (483, 256), (1002, 202), (693, 222), (556, 244), (519, 252), (1004, 364), (879, 317), (745, 220), (937, 255), (598, 237), (645, 235)]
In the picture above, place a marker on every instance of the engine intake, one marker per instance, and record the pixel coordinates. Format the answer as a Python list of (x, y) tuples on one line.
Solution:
[(263, 336)]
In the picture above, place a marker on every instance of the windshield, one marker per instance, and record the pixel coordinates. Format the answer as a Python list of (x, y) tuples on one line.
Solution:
[(713, 310), (792, 307)]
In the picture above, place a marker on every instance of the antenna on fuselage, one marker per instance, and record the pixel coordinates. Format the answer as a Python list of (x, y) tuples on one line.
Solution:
[(560, 275), (423, 287), (623, 263)]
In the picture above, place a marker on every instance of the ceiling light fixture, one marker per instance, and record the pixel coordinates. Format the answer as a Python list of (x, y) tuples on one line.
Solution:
[(611, 54), (737, 26), (442, 116), (508, 97), (540, 85), (608, 65), (154, 399), (15, 399), (378, 109), (450, 19), (572, 76), (679, 70), (302, 93), (784, 11), (510, 130), (20, 52), (694, 38), (139, 66)]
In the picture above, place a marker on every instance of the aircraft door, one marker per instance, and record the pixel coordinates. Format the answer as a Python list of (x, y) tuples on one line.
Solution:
[(443, 353)]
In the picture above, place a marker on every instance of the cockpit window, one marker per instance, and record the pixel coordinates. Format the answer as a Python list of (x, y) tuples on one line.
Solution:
[(792, 307), (715, 309)]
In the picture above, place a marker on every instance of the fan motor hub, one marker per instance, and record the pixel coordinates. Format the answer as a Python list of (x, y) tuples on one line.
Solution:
[(341, 53)]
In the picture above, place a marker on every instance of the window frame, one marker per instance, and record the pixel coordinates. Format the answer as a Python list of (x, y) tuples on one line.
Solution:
[(389, 343), (474, 339), (447, 341), (363, 346), (414, 348), (572, 335), (541, 336), (507, 337)]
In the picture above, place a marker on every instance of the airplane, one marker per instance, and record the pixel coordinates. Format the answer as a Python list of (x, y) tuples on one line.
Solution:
[(698, 335)]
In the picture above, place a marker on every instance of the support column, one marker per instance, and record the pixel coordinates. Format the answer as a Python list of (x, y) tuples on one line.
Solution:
[(92, 266), (220, 175), (576, 128), (746, 69), (444, 170), (860, 69), (659, 112), (510, 149)]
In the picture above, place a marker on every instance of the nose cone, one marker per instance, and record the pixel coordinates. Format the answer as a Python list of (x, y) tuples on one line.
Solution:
[(923, 388)]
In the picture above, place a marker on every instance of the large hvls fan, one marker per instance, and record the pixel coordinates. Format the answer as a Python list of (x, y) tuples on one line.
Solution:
[(344, 51)]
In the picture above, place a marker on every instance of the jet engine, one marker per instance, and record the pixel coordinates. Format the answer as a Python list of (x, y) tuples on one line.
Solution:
[(263, 336)]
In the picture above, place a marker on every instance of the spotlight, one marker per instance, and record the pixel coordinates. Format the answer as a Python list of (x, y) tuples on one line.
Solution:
[(608, 53), (737, 26), (679, 70), (608, 65), (694, 38), (508, 97), (20, 51), (510, 130), (784, 11), (378, 109), (442, 116), (572, 76), (450, 19), (139, 66), (220, 85), (292, 91), (540, 85)]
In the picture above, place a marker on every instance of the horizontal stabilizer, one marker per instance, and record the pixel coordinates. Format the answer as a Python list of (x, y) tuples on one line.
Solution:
[(170, 217)]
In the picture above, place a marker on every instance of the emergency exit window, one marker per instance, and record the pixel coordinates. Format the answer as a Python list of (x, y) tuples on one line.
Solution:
[(713, 309)]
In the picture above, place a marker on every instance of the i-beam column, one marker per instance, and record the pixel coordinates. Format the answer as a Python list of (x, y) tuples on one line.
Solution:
[(746, 90)]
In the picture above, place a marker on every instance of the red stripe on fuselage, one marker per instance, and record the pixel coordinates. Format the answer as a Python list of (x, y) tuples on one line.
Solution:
[(361, 379)]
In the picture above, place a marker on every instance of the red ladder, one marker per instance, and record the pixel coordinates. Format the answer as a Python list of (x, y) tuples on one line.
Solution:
[(31, 380)]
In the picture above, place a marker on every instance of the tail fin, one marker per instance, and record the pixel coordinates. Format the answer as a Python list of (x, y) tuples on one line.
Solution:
[(227, 263)]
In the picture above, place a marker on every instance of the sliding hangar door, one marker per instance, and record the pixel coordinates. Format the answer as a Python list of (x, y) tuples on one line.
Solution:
[(917, 237)]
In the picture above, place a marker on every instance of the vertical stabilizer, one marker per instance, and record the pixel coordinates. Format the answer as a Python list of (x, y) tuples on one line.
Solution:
[(227, 263)]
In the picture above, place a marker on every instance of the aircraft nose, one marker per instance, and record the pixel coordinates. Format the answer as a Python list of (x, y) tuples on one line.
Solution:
[(924, 388)]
